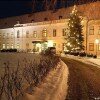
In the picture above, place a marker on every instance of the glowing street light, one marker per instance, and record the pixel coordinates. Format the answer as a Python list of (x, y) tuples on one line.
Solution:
[(96, 41)]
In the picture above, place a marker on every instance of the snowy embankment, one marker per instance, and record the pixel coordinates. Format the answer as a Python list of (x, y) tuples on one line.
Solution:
[(54, 86)]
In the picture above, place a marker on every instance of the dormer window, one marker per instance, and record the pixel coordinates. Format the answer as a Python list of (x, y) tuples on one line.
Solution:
[(18, 22), (60, 17), (32, 20), (45, 19)]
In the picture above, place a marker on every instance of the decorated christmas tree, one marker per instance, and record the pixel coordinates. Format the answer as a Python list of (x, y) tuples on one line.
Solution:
[(75, 37)]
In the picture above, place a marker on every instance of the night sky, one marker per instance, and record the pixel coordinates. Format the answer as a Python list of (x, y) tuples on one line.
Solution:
[(19, 7), (13, 8)]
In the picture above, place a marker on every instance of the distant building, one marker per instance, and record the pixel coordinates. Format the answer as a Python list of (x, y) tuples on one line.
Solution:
[(44, 29)]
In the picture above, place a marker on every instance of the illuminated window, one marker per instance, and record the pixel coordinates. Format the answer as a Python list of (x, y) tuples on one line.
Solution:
[(91, 30), (54, 32), (17, 45), (99, 30), (4, 35), (0, 35), (7, 45), (44, 34), (12, 45), (18, 34), (3, 46), (64, 32), (27, 34), (91, 46), (12, 36), (7, 35), (34, 34)]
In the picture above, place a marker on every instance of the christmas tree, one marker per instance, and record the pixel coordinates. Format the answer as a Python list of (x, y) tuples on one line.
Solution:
[(75, 38)]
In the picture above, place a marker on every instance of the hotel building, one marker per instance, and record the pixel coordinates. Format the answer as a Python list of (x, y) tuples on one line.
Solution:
[(44, 29)]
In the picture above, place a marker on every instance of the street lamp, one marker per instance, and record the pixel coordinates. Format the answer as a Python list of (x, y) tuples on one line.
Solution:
[(96, 41)]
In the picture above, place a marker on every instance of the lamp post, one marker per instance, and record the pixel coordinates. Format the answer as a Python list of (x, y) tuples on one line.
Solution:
[(96, 41)]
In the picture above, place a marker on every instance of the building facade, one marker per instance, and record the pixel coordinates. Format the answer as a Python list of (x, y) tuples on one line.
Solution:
[(41, 30)]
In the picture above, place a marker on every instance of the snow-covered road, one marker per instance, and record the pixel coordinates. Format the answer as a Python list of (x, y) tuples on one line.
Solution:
[(54, 87)]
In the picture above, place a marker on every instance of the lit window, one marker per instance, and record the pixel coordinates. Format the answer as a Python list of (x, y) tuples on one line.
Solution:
[(91, 30), (7, 35), (7, 45), (12, 45), (44, 34), (54, 32), (64, 46), (18, 34), (64, 32), (27, 34), (91, 46), (35, 34), (4, 35), (3, 46), (17, 45), (99, 30)]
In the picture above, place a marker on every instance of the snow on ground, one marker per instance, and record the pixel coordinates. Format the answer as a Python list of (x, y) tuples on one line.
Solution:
[(54, 87), (89, 60)]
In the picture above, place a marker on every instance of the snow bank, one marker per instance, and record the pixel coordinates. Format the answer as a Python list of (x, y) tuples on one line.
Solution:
[(54, 86)]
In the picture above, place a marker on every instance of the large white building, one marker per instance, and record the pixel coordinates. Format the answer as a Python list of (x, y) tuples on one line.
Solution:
[(40, 30)]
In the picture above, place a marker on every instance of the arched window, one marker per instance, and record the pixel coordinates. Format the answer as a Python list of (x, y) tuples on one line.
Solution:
[(18, 34)]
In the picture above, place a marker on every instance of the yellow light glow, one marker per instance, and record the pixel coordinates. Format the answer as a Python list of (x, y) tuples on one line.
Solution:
[(96, 41), (50, 44)]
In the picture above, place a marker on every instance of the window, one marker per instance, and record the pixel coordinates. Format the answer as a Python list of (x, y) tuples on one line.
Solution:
[(12, 35), (64, 46), (27, 45), (91, 46), (17, 45), (18, 34), (7, 45), (91, 30), (0, 46), (99, 30), (44, 34), (34, 34), (18, 22), (64, 32), (7, 35), (0, 35), (54, 44), (54, 32), (32, 20), (45, 19), (27, 34), (3, 46), (4, 35), (12, 45), (60, 17)]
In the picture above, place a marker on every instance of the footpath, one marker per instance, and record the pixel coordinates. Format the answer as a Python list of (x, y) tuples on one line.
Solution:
[(54, 87)]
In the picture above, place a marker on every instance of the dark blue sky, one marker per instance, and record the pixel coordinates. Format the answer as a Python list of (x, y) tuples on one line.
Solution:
[(13, 8)]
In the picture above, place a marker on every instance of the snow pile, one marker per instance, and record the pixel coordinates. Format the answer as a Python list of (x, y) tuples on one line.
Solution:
[(54, 86)]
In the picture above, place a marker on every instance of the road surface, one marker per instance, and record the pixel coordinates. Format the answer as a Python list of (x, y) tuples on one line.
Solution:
[(83, 82)]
